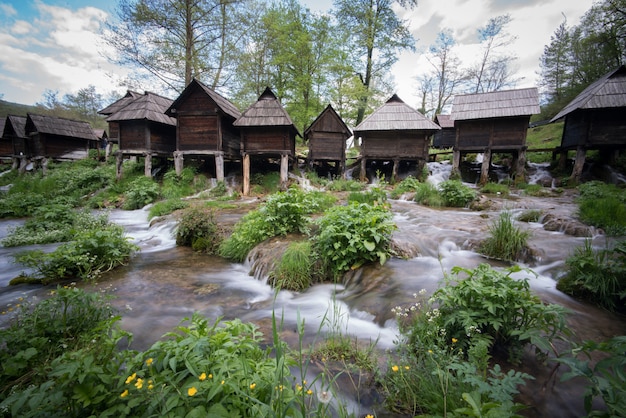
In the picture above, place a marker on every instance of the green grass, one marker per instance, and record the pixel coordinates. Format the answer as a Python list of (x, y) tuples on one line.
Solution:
[(506, 242)]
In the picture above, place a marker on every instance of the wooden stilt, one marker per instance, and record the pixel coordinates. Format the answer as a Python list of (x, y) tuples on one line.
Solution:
[(148, 165), (284, 170), (219, 167), (179, 162), (363, 174), (246, 174), (456, 162), (579, 163), (44, 166), (520, 166), (119, 159), (484, 169), (394, 171)]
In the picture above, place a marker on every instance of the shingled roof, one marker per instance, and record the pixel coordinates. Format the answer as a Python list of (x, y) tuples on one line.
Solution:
[(18, 123), (121, 103), (329, 111), (53, 125), (395, 115), (496, 104), (445, 121), (149, 106), (223, 103), (266, 111), (606, 92)]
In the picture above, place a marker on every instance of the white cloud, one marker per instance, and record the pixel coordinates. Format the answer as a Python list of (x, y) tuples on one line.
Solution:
[(21, 27), (7, 10)]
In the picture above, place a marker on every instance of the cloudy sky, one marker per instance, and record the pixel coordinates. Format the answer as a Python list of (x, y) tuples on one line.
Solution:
[(55, 44)]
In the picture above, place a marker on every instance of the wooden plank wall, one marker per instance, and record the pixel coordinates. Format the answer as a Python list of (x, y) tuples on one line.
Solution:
[(162, 138), (261, 139), (394, 146), (327, 146)]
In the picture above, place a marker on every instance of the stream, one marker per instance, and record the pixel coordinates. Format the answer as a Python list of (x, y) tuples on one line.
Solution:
[(164, 283)]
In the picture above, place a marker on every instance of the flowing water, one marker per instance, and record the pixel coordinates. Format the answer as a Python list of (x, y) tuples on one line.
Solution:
[(164, 284)]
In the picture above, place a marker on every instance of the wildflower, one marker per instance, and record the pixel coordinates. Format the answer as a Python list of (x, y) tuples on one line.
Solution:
[(150, 385), (324, 397), (252, 386), (407, 368), (430, 351), (131, 378), (139, 383), (149, 362), (395, 368), (223, 382), (309, 392), (202, 377), (369, 416), (298, 388), (124, 394), (422, 291), (210, 376), (454, 340), (192, 391)]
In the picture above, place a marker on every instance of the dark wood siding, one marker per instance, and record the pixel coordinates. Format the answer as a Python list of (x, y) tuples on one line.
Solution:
[(327, 146), (20, 146), (472, 134), (594, 128), (162, 137), (394, 145), (444, 138), (198, 132), (114, 131), (133, 135), (6, 147), (231, 142), (268, 139), (500, 133), (509, 132)]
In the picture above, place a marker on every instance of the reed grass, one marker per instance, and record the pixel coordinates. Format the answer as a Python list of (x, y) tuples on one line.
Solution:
[(507, 242)]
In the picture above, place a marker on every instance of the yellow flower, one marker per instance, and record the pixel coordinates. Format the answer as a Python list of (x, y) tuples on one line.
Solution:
[(139, 383), (454, 340), (149, 361), (192, 391), (131, 378), (407, 368), (210, 376), (223, 382), (309, 392), (253, 385), (124, 394), (430, 351), (369, 416), (395, 368), (298, 388), (202, 377)]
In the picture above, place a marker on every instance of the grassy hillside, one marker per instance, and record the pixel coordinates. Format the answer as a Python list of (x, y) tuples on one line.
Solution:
[(9, 108)]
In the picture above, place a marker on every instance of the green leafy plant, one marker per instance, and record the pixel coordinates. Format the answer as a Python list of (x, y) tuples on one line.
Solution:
[(345, 185), (197, 228), (165, 207), (374, 196), (532, 215), (604, 206), (408, 185), (597, 276), (456, 194), (427, 194), (350, 236), (294, 271), (495, 188), (506, 241), (143, 190)]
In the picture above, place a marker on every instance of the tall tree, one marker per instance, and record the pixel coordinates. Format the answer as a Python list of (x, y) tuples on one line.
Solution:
[(556, 65), (376, 34), (446, 75), (493, 71), (173, 40)]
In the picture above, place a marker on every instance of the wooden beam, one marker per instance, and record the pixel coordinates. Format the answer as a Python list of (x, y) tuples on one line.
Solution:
[(246, 174), (219, 167), (484, 169)]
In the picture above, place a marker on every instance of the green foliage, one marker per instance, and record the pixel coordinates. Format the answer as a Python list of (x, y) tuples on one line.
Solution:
[(175, 186), (50, 223), (456, 194), (531, 215), (294, 271), (597, 276), (265, 183), (495, 188), (373, 196), (91, 252), (506, 241), (427, 194), (197, 228), (344, 185), (69, 319), (143, 190), (408, 185), (281, 214), (350, 236), (165, 207), (499, 308), (604, 206), (605, 378)]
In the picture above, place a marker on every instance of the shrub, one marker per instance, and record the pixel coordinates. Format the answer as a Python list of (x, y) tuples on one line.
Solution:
[(495, 188), (175, 186), (344, 185), (294, 271), (456, 194), (142, 191), (603, 206), (350, 236), (533, 215), (50, 223), (197, 228), (92, 252), (374, 196), (506, 242), (409, 184), (428, 195), (597, 276), (165, 207)]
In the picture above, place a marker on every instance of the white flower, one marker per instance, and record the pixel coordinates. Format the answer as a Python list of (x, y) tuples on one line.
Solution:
[(324, 396)]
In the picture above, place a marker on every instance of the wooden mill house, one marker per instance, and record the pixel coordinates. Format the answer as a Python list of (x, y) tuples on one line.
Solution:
[(445, 137), (144, 130), (266, 132), (51, 137), (14, 135), (595, 120), (395, 132), (327, 137), (205, 127), (495, 122), (113, 136)]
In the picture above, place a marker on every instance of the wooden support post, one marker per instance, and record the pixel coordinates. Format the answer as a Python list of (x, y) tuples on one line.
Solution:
[(363, 173), (562, 159), (342, 168), (284, 170), (246, 174), (484, 169), (15, 163), (456, 162), (107, 150), (24, 161), (147, 170), (520, 166), (179, 162), (44, 166), (394, 170), (219, 167), (119, 159), (579, 163)]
